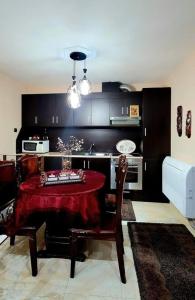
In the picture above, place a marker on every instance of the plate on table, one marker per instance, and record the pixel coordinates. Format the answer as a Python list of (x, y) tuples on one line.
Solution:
[(125, 146)]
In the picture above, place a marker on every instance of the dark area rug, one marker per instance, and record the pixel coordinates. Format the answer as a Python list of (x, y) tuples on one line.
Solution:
[(164, 257), (127, 207), (127, 211)]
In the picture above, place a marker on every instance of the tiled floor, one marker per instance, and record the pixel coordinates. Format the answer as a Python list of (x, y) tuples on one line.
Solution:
[(96, 279)]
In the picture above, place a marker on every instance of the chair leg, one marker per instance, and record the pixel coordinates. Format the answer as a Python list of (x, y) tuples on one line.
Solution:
[(33, 254), (12, 240), (122, 240), (119, 248), (73, 256)]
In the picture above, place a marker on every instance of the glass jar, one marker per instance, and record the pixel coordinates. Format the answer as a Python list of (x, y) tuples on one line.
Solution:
[(67, 160)]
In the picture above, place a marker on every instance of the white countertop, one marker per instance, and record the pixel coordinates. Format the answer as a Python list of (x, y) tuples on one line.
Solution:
[(59, 154)]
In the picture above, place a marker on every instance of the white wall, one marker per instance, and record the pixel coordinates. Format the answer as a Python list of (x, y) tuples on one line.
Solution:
[(28, 89), (182, 82), (10, 113)]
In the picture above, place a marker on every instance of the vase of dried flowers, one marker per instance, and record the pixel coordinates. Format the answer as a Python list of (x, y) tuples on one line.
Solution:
[(67, 160), (73, 144)]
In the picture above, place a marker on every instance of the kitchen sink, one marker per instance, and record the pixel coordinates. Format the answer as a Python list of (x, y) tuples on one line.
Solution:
[(95, 153)]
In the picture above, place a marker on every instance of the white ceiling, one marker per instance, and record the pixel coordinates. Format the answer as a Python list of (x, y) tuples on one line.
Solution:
[(135, 40)]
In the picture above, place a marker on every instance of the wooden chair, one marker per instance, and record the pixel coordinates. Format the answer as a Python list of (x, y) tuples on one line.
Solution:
[(109, 229), (110, 199), (29, 165), (8, 183)]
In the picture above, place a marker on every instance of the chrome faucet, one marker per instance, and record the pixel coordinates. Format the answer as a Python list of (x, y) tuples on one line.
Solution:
[(91, 148)]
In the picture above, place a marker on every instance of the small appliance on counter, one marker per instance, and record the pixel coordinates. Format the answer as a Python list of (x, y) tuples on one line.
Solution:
[(35, 146)]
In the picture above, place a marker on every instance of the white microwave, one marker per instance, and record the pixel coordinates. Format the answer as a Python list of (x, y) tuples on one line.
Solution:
[(35, 146)]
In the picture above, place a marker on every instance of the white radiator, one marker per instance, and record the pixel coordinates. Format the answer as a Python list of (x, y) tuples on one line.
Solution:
[(178, 184)]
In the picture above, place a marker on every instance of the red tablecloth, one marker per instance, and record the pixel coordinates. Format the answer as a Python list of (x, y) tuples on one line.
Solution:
[(79, 198)]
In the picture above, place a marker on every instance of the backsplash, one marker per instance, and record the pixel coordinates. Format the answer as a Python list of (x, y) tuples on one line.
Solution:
[(105, 139)]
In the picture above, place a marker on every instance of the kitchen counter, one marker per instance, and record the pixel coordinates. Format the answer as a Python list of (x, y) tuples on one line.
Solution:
[(59, 154), (81, 155)]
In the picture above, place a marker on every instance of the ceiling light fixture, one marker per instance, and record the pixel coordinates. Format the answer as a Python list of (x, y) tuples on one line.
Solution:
[(84, 84), (73, 93)]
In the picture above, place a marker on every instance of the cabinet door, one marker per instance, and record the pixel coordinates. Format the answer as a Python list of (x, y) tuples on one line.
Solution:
[(152, 181), (30, 110), (47, 110), (117, 107), (133, 98), (82, 115), (52, 163), (100, 112), (79, 163), (101, 165), (63, 113), (38, 110), (156, 122), (120, 103)]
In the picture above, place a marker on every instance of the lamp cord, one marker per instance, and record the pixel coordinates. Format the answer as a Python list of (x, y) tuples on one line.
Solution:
[(84, 69), (74, 71)]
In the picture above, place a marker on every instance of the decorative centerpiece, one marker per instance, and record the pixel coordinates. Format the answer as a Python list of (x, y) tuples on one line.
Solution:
[(73, 144), (62, 177)]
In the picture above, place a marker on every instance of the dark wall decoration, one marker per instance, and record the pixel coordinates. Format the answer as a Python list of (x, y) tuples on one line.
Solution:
[(188, 123), (179, 120)]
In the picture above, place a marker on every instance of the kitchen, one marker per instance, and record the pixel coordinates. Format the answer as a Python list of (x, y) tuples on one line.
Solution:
[(134, 47), (96, 127)]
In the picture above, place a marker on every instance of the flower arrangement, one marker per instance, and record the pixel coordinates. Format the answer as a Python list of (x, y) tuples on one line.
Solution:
[(73, 144)]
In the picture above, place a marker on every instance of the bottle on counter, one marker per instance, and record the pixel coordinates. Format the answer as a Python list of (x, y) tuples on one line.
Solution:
[(45, 136)]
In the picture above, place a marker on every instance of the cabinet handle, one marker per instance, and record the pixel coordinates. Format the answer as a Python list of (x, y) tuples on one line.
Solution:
[(127, 110), (52, 120), (84, 164), (88, 164), (145, 166), (36, 120), (145, 131), (122, 110), (56, 119)]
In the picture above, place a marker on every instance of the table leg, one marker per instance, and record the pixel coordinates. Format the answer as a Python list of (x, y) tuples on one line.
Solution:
[(57, 237)]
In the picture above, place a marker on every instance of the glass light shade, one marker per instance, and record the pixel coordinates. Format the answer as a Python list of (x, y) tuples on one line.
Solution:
[(84, 86), (73, 97)]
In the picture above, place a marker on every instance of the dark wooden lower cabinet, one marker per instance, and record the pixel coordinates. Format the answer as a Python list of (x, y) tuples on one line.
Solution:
[(152, 182), (97, 164), (52, 163)]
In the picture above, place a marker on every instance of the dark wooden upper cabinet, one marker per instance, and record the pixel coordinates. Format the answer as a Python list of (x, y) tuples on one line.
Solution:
[(46, 110), (47, 114), (31, 110), (120, 103), (156, 122), (100, 112), (36, 109), (51, 110), (64, 114), (82, 115)]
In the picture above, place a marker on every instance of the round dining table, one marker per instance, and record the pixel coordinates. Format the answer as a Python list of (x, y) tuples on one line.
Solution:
[(79, 198)]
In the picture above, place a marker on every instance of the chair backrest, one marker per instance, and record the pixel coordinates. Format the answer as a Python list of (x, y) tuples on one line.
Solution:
[(7, 171), (28, 166), (121, 175)]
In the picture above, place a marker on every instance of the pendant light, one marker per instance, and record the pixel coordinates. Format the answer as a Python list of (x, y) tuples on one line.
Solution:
[(84, 84), (74, 91), (73, 94)]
